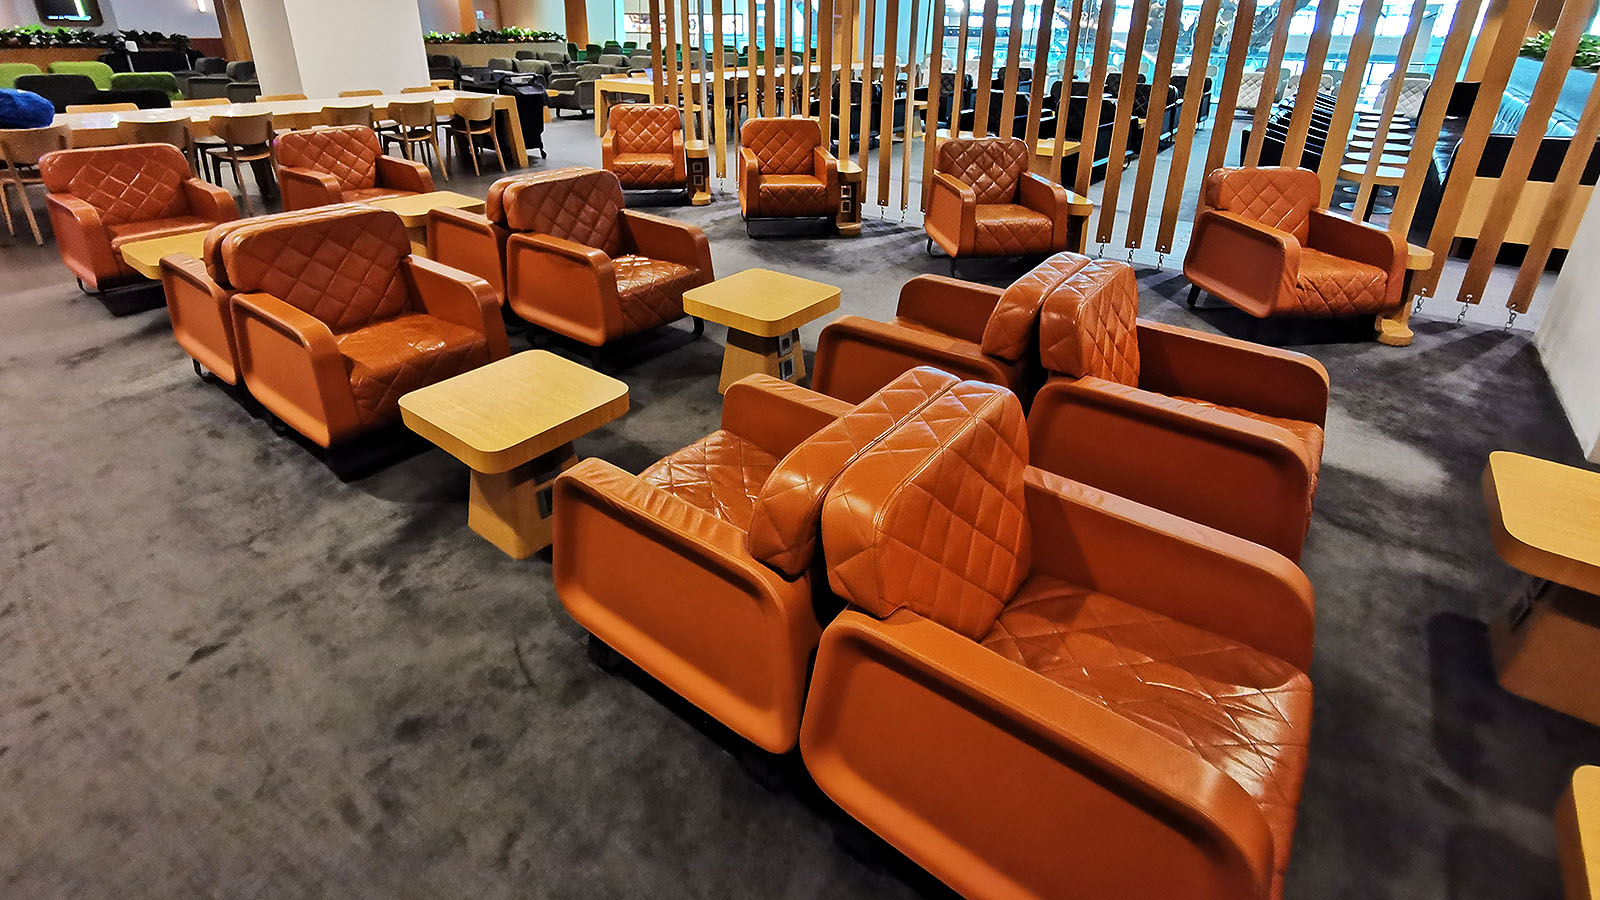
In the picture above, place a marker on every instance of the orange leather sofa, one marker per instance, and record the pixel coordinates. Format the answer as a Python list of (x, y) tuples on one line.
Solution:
[(699, 569), (969, 330), (1041, 690), (643, 147), (334, 319), (1261, 244), (1220, 431), (320, 166), (985, 202), (786, 171), (103, 197)]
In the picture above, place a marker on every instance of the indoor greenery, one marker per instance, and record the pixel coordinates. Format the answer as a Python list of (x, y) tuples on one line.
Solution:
[(40, 36), (512, 35), (1587, 57)]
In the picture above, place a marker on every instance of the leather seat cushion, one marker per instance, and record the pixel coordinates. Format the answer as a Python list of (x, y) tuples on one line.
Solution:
[(390, 358), (1309, 433), (361, 195), (1246, 713), (647, 170), (783, 196), (1334, 286), (721, 473), (127, 232), (1007, 229), (651, 290)]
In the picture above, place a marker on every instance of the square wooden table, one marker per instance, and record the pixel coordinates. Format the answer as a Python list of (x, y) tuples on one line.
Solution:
[(763, 310), (1578, 833), (413, 211), (1544, 519), (145, 256), (513, 423)]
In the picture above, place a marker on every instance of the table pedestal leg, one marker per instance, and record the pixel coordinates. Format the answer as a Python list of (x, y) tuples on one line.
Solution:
[(1394, 329), (851, 181), (1547, 648), (699, 166), (511, 510), (749, 354)]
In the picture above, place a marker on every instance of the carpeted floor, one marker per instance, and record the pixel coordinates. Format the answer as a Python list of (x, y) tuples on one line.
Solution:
[(224, 672)]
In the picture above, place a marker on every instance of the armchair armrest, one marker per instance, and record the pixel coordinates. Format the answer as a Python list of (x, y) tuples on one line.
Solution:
[(1268, 380), (857, 356), (825, 166), (563, 285), (951, 220), (291, 363), (471, 243), (1147, 447), (1042, 195), (775, 414), (668, 240), (305, 188), (208, 201), (749, 181), (1269, 601), (898, 709), (958, 308), (604, 515), (404, 175), (1361, 242), (201, 315), (460, 298), (608, 148), (82, 239), (1251, 265)]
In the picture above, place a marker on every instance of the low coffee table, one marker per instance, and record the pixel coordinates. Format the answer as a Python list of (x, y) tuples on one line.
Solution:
[(1578, 833), (145, 256), (513, 423), (413, 211), (763, 310)]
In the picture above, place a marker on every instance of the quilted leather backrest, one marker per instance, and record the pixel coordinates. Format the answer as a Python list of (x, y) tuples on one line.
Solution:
[(1088, 325), (349, 153), (494, 202), (130, 183), (578, 203), (340, 263), (783, 532), (1009, 333), (992, 165), (645, 127), (1278, 196), (211, 255), (782, 146), (933, 518)]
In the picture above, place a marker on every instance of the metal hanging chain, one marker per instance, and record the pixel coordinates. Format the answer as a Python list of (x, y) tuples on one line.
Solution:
[(1511, 319), (1461, 317)]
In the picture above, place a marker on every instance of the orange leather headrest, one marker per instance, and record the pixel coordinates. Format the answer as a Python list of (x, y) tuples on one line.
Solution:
[(1009, 333), (1088, 325), (577, 203), (1277, 196)]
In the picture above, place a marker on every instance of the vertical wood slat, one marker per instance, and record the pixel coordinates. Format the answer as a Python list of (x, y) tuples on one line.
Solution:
[(1391, 102), (1008, 103), (769, 85), (847, 47), (1087, 137), (1069, 67), (908, 130), (719, 93), (1177, 173), (991, 14), (752, 91), (1232, 77), (825, 58), (806, 59), (1041, 74), (1562, 195), (671, 50), (958, 102), (930, 120), (658, 84), (1269, 82), (691, 117), (1119, 134), (1310, 81), (891, 65), (707, 81), (1575, 17), (869, 18), (1432, 117), (1144, 179), (788, 64), (1335, 143)]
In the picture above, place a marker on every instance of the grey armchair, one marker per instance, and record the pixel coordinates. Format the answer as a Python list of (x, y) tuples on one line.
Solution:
[(566, 83), (501, 64), (539, 67)]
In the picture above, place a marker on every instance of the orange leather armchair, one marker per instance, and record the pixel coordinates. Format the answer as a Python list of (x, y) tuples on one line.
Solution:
[(1041, 690), (580, 265), (643, 147), (1220, 431), (1261, 244), (334, 319), (786, 171), (969, 330), (320, 166), (475, 242), (699, 569), (985, 202), (103, 197)]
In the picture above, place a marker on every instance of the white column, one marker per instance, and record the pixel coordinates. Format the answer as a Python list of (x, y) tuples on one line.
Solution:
[(1569, 335), (321, 47)]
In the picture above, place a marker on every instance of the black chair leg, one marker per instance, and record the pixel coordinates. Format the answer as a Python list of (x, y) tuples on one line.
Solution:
[(699, 326), (1194, 295)]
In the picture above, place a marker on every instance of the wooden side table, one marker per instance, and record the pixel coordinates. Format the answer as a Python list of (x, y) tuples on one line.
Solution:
[(145, 256), (513, 422), (1543, 520), (1395, 328), (763, 310), (698, 159), (852, 181), (413, 211), (1578, 834)]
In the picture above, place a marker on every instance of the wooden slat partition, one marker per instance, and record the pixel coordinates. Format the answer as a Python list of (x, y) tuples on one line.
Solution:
[(868, 10), (1119, 133), (1269, 82), (1157, 115), (891, 49), (658, 83), (957, 104), (1310, 81), (1391, 102), (788, 67), (825, 26), (1199, 62), (1564, 193), (769, 82), (673, 94), (719, 90), (930, 125), (752, 92), (1097, 89), (1008, 103), (1232, 77), (1041, 74), (1070, 66), (846, 44), (1350, 87), (991, 18), (806, 60), (914, 26)]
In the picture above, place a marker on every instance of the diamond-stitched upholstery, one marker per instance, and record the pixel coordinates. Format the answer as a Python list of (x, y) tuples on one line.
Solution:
[(783, 146), (720, 473), (644, 170), (792, 196), (650, 291), (579, 204), (645, 127), (783, 532), (128, 183), (1244, 712), (343, 268), (1331, 285), (1010, 229), (1088, 325), (1009, 334), (993, 166), (1278, 196), (1309, 434), (933, 518), (389, 359), (349, 153)]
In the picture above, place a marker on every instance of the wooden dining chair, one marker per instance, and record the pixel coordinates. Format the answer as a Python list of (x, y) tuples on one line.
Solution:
[(273, 98), (420, 89), (165, 131), (416, 123), (365, 92), (20, 152), (474, 119), (245, 139), (200, 101), (101, 107), (348, 115)]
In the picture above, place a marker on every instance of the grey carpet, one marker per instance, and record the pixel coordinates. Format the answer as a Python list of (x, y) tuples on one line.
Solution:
[(226, 673)]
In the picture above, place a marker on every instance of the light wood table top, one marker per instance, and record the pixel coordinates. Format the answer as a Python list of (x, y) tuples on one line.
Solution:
[(1544, 518), (502, 415), (1578, 833), (414, 209), (761, 302), (145, 256)]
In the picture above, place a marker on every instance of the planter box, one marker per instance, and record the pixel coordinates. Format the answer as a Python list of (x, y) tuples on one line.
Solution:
[(44, 56), (480, 54)]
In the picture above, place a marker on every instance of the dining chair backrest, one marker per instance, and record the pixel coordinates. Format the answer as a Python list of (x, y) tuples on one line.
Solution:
[(201, 101), (26, 146), (347, 115), (420, 89), (413, 114), (364, 92), (166, 131), (273, 98), (475, 109), (101, 107), (243, 131)]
